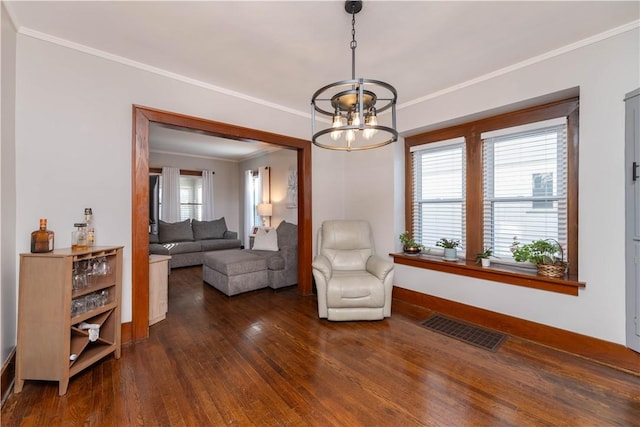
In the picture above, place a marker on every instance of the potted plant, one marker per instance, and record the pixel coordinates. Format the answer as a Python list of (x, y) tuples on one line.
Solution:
[(545, 254), (409, 245), (484, 257), (450, 248)]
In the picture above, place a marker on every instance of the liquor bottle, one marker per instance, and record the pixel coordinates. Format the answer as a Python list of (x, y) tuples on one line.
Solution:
[(91, 231), (42, 239)]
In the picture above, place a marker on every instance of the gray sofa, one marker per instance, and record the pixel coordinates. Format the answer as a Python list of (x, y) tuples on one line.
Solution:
[(237, 271), (282, 265), (188, 240)]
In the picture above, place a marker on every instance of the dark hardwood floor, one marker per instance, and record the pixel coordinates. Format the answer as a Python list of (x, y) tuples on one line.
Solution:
[(265, 359)]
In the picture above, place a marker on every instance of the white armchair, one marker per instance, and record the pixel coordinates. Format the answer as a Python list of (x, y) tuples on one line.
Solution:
[(352, 282)]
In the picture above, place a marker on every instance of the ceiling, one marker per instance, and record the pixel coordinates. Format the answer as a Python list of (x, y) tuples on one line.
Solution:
[(280, 52)]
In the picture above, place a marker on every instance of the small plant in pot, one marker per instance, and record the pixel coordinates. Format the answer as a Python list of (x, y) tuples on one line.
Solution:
[(484, 257), (545, 254), (450, 248), (409, 245)]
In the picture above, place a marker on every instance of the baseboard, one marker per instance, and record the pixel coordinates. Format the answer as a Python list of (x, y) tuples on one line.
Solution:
[(8, 376), (600, 351), (126, 333)]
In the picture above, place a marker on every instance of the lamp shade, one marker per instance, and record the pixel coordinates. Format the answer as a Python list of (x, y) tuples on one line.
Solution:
[(265, 209)]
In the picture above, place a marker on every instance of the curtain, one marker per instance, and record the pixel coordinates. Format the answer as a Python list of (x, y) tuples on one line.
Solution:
[(248, 206), (207, 195), (263, 192), (170, 194)]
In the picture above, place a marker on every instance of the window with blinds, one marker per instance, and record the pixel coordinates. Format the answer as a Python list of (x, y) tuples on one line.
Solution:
[(525, 185), (439, 191), (190, 197)]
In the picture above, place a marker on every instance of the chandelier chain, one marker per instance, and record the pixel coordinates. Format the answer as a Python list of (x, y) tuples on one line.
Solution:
[(354, 43)]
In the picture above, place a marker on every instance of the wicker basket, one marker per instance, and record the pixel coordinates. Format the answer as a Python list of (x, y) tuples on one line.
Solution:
[(553, 270)]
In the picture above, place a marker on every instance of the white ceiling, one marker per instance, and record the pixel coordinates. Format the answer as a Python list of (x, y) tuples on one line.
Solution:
[(280, 52)]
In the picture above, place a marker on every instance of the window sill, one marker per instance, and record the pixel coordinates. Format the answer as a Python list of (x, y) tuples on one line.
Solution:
[(567, 285)]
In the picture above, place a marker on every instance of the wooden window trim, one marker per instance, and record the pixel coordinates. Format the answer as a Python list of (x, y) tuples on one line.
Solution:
[(568, 285), (182, 172), (472, 131)]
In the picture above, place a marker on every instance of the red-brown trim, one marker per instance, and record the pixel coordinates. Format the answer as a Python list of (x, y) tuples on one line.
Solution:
[(125, 334), (8, 375), (568, 285), (142, 116), (182, 172), (600, 351), (471, 131)]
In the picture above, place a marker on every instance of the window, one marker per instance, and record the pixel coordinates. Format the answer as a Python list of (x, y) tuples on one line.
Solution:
[(190, 197), (522, 200), (488, 181), (439, 192)]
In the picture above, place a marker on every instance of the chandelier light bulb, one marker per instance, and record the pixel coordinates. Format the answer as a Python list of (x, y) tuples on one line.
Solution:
[(355, 119), (338, 121), (371, 120), (351, 136)]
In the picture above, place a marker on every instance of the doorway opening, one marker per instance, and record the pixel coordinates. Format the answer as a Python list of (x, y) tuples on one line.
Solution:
[(142, 117)]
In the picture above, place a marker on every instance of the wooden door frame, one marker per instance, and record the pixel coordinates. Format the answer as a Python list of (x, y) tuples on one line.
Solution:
[(142, 116)]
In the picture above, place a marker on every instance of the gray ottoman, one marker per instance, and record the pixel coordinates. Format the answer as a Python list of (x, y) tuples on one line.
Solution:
[(234, 271)]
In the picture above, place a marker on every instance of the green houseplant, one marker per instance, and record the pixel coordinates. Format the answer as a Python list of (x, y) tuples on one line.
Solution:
[(409, 245), (546, 254), (484, 257), (450, 248)]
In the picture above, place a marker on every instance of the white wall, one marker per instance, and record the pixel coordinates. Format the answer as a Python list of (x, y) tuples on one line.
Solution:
[(226, 186), (73, 138), (8, 288), (604, 71)]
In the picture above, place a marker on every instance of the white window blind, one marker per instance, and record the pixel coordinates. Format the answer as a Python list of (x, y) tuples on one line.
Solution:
[(439, 192), (525, 185), (190, 197)]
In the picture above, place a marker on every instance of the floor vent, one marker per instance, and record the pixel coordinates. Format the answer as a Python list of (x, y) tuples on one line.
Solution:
[(465, 332)]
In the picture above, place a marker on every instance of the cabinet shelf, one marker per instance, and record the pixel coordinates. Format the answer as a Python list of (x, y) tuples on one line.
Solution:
[(47, 332)]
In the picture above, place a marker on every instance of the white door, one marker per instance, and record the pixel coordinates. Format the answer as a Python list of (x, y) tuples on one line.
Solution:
[(632, 240)]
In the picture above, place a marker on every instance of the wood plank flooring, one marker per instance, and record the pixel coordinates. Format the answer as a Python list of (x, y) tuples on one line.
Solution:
[(265, 359)]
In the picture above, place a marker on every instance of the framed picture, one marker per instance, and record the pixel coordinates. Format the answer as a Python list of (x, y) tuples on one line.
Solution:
[(255, 230)]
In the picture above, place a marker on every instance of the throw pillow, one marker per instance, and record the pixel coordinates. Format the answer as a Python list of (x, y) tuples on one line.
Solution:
[(266, 239), (169, 232), (203, 230)]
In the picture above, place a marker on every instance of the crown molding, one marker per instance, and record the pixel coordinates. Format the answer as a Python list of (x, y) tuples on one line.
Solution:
[(155, 70), (527, 62)]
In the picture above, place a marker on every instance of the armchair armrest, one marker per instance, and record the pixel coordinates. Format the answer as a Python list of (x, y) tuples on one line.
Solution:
[(322, 264), (230, 235), (379, 267)]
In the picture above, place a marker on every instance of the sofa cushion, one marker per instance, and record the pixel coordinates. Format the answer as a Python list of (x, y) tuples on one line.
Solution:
[(287, 234), (153, 238), (234, 262), (266, 240), (209, 229), (169, 232), (175, 248), (217, 244), (275, 261)]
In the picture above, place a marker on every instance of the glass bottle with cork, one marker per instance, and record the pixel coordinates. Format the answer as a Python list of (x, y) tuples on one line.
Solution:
[(91, 231), (42, 239)]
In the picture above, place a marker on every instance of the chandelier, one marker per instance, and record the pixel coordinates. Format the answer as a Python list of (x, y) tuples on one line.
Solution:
[(357, 107)]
